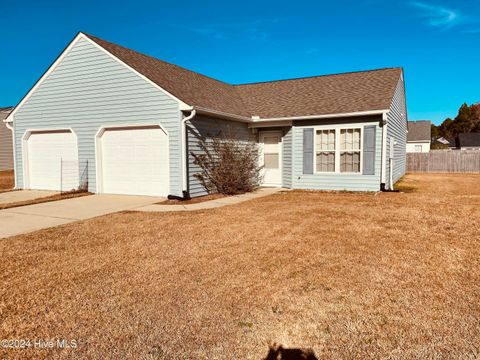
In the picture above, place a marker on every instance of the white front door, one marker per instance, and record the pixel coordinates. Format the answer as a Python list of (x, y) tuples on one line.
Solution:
[(271, 157)]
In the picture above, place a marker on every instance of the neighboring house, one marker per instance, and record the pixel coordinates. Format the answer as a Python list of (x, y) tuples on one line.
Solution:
[(419, 136), (6, 147), (136, 120), (442, 140), (468, 141)]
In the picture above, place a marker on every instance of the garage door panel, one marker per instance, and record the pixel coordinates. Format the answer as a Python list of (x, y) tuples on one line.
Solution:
[(135, 161), (52, 161)]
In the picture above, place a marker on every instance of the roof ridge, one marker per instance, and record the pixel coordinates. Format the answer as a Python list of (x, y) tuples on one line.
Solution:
[(318, 76)]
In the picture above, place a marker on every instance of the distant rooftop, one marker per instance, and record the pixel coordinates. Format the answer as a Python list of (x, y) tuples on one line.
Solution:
[(4, 112), (419, 130), (468, 140)]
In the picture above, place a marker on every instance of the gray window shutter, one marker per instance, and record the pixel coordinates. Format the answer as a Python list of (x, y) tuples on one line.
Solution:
[(369, 150), (308, 151)]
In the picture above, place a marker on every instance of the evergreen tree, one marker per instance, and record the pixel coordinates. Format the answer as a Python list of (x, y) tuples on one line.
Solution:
[(466, 121)]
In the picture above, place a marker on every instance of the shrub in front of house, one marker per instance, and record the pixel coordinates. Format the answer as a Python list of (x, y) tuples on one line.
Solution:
[(228, 164)]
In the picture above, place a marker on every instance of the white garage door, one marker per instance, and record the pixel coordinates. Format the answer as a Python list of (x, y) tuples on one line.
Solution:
[(52, 161), (135, 161)]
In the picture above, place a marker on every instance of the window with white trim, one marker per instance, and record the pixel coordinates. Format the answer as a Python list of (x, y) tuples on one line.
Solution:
[(350, 150), (418, 148), (325, 155), (338, 150)]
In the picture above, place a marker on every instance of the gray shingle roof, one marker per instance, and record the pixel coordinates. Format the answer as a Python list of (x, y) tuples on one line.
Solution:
[(468, 139), (420, 130)]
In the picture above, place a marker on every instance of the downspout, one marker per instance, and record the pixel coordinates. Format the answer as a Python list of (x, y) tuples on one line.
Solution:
[(383, 170), (185, 192), (10, 127), (390, 163)]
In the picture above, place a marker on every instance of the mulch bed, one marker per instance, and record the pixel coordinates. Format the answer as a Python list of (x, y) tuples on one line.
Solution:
[(192, 201)]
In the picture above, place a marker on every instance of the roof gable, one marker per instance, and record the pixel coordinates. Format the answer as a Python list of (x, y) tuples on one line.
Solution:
[(78, 38)]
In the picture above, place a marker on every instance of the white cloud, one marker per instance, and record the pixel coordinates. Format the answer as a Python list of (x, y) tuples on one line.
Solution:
[(439, 16)]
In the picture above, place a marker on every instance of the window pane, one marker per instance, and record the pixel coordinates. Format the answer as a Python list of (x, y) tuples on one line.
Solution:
[(350, 139), (270, 144), (271, 161), (356, 139), (325, 161), (325, 139), (350, 161), (270, 139)]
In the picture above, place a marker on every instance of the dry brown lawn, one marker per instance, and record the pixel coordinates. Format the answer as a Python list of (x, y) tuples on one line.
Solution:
[(351, 276), (7, 181)]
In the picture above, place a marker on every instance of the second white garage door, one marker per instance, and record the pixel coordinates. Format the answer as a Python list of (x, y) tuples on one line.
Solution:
[(135, 161)]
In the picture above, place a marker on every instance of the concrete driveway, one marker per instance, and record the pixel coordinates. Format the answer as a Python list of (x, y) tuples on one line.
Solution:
[(23, 195), (25, 219)]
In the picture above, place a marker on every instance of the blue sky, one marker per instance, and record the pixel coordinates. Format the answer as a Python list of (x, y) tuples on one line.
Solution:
[(246, 41)]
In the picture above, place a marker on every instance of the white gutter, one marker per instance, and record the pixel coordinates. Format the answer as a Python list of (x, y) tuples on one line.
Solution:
[(258, 120), (9, 126), (223, 115), (324, 116), (384, 148), (390, 166), (184, 150)]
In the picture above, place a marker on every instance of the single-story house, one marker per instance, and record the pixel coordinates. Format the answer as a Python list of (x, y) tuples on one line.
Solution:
[(129, 123), (419, 136), (468, 141), (6, 143)]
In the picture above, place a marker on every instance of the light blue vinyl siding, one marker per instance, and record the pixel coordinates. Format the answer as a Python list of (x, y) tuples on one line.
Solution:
[(6, 147), (88, 90), (287, 158), (351, 182), (205, 127), (397, 128)]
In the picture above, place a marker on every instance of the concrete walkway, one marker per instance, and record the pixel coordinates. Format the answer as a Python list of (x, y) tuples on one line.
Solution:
[(23, 195), (211, 204), (25, 219)]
